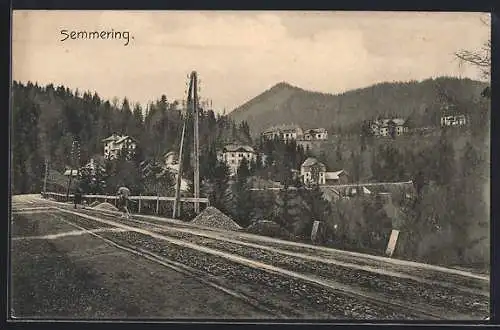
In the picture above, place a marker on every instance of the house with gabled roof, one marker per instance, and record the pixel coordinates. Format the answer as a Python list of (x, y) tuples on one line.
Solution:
[(315, 134), (283, 132), (116, 143), (383, 127), (337, 177), (233, 154), (313, 171)]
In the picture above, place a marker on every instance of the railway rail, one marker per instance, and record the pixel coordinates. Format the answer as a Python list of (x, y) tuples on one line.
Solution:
[(143, 237), (243, 267), (398, 285)]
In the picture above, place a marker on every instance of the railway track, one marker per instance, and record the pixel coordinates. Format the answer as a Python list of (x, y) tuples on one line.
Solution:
[(331, 287), (263, 258), (394, 286), (460, 280), (184, 269)]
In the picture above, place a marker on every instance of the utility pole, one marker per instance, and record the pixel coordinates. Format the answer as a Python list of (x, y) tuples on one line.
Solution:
[(196, 143), (75, 153), (192, 110), (179, 178), (46, 175)]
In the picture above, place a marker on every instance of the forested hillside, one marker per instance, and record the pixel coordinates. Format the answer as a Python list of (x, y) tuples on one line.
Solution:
[(46, 120), (445, 220), (420, 101)]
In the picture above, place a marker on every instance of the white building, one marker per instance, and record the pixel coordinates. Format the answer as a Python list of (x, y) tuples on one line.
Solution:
[(313, 171), (453, 120), (233, 154), (283, 132), (382, 127), (116, 143), (171, 161), (318, 134)]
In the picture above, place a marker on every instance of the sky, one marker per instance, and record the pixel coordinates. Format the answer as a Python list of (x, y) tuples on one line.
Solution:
[(238, 55)]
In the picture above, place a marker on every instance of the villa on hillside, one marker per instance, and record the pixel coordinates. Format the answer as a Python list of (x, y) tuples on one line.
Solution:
[(453, 120), (382, 127), (313, 171), (171, 161), (116, 143), (233, 154), (294, 132), (315, 134), (283, 132)]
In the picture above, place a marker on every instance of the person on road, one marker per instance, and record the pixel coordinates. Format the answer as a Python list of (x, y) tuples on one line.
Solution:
[(123, 195), (78, 196)]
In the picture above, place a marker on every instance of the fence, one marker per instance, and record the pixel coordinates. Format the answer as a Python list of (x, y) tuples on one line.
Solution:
[(160, 205)]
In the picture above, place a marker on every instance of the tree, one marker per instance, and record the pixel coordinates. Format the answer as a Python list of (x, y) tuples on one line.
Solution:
[(446, 160), (479, 58), (138, 121), (220, 186), (243, 199), (316, 208), (126, 117)]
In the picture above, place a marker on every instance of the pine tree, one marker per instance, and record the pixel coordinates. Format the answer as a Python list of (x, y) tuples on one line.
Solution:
[(220, 186), (446, 161), (126, 118), (243, 199), (316, 208)]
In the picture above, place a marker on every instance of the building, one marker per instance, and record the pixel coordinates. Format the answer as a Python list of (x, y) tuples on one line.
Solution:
[(93, 166), (453, 120), (271, 133), (383, 127), (291, 133), (313, 171), (318, 134), (116, 143), (233, 154), (70, 172), (337, 177), (171, 161), (283, 132), (159, 170)]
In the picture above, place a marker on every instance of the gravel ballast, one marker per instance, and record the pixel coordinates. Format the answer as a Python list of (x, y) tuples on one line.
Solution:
[(212, 217)]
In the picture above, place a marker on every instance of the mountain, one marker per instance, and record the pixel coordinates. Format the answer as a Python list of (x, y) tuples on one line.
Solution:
[(420, 101)]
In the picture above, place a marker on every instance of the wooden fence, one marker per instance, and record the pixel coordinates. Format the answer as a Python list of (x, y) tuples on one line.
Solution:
[(160, 205)]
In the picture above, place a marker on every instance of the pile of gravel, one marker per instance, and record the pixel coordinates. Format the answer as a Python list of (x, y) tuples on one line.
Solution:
[(106, 207), (268, 228), (94, 204), (211, 217)]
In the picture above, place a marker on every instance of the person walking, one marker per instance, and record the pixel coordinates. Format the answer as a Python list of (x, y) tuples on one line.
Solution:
[(123, 195), (78, 196)]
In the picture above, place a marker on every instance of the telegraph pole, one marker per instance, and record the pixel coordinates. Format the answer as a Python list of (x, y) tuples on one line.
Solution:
[(196, 143), (179, 178), (75, 153), (46, 175), (192, 109)]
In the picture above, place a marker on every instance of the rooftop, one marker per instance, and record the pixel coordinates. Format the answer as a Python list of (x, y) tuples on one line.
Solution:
[(334, 175), (237, 148), (312, 161)]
